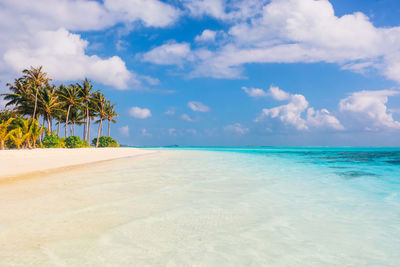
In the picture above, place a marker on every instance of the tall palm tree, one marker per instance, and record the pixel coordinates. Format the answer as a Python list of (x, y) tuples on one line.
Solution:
[(100, 109), (111, 114), (70, 95), (76, 118), (86, 94), (49, 104), (35, 78), (5, 132)]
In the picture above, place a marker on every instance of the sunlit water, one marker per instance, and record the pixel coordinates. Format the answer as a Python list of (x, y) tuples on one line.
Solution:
[(233, 207)]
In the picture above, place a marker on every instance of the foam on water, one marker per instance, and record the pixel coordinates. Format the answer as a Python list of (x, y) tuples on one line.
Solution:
[(234, 207)]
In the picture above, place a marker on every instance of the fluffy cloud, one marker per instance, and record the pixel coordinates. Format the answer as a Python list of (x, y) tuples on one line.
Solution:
[(292, 113), (237, 128), (206, 36), (370, 108), (124, 130), (39, 33), (63, 56), (291, 31), (151, 12), (171, 53), (254, 92), (198, 106), (140, 113)]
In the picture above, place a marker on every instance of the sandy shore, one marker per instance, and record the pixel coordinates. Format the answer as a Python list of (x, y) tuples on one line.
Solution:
[(21, 162)]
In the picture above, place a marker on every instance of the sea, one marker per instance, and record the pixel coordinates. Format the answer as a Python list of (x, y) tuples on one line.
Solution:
[(214, 206)]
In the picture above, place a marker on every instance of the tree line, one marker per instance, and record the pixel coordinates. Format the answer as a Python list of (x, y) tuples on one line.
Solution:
[(32, 98)]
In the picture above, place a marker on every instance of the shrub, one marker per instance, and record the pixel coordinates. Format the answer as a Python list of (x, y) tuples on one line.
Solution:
[(52, 141), (74, 142), (105, 141)]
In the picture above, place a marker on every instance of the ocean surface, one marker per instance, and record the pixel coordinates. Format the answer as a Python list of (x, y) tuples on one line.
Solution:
[(219, 207)]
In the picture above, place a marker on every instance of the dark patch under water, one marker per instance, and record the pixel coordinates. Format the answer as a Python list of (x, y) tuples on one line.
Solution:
[(356, 174)]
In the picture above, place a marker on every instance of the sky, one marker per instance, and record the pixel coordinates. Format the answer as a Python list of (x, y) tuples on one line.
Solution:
[(221, 72)]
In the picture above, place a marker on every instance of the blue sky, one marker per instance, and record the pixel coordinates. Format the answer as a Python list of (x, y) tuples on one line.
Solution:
[(216, 72)]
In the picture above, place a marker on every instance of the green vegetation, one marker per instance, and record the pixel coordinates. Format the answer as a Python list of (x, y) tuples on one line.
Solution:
[(75, 142), (105, 141), (32, 99)]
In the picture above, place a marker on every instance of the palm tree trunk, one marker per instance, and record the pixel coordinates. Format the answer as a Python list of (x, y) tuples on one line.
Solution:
[(58, 129), (109, 127), (88, 138), (34, 110), (48, 124), (2, 145), (87, 123), (101, 133), (73, 129), (66, 122), (98, 132)]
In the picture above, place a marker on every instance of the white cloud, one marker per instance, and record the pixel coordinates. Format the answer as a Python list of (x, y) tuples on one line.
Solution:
[(198, 106), (171, 53), (140, 113), (151, 12), (291, 113), (206, 36), (254, 92), (370, 108), (39, 33), (124, 130), (186, 117), (292, 31), (62, 55), (237, 128), (213, 8)]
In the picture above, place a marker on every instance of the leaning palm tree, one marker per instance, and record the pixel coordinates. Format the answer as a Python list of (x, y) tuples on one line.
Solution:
[(86, 94), (69, 95), (5, 133), (49, 104), (111, 114), (35, 78), (21, 97)]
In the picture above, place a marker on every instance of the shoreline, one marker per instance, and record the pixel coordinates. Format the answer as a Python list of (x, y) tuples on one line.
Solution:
[(22, 163)]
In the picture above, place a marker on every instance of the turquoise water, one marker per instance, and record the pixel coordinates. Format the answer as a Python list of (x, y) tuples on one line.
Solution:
[(300, 206), (215, 207)]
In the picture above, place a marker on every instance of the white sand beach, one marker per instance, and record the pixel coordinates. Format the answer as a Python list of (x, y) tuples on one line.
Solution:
[(21, 162)]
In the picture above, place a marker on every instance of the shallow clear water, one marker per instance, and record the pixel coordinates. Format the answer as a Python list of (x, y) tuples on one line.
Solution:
[(221, 207)]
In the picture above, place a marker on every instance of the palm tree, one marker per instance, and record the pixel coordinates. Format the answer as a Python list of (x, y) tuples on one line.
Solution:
[(25, 126), (70, 95), (35, 78), (21, 97), (76, 118), (111, 114), (100, 108), (86, 95), (49, 104), (18, 136), (36, 130), (5, 132)]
